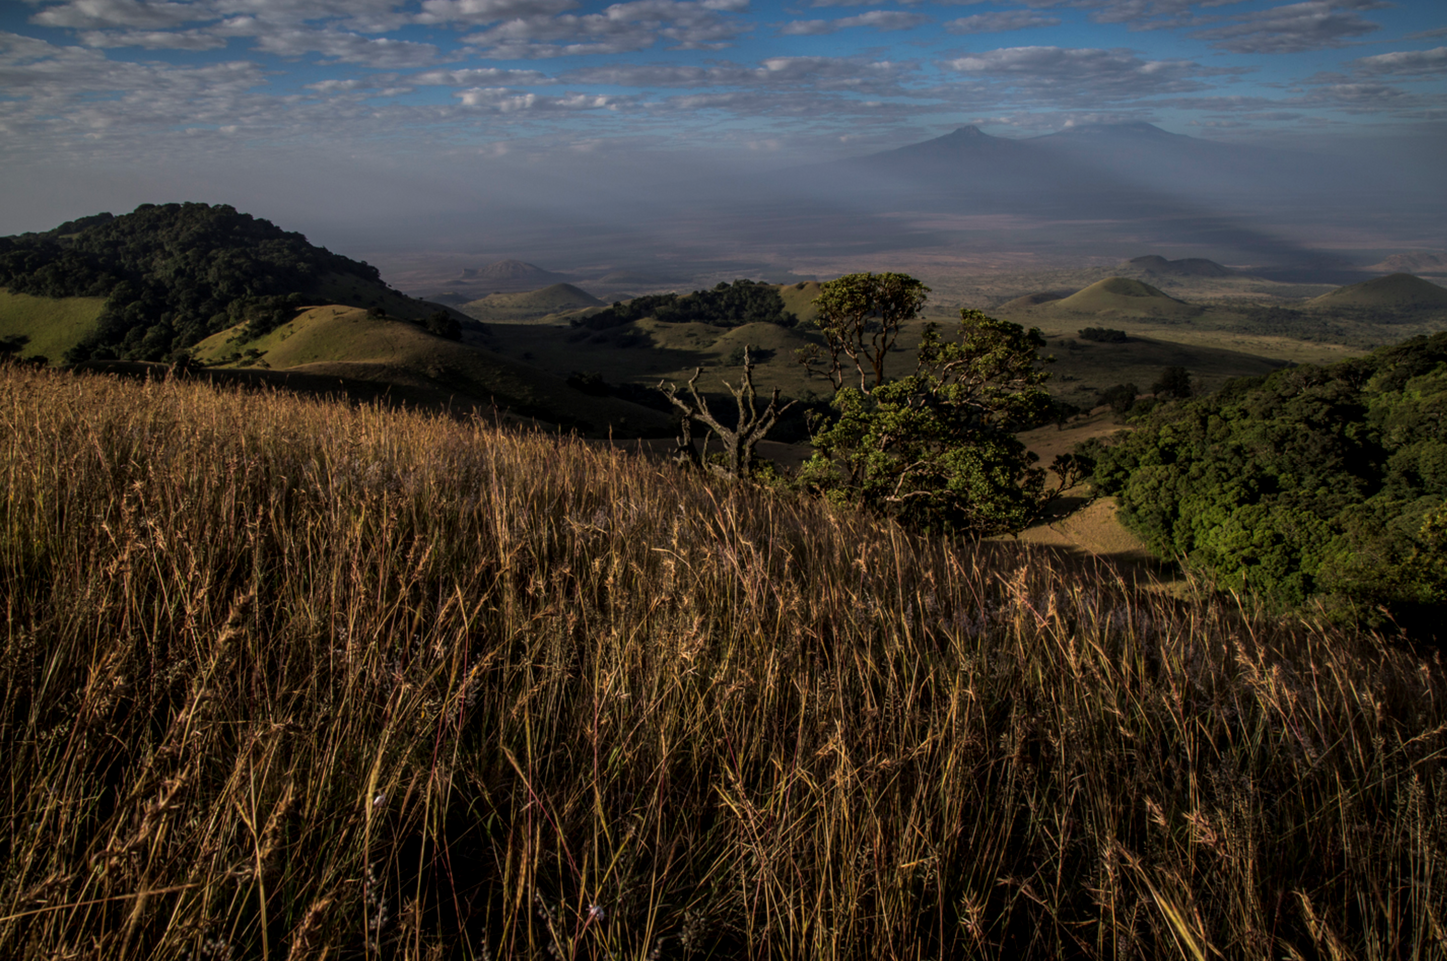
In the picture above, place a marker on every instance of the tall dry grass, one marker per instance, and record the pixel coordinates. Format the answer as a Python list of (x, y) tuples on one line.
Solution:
[(289, 680)]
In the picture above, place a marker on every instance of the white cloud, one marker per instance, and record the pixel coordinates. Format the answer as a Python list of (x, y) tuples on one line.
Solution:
[(98, 14), (1065, 75), (1405, 62), (873, 19), (1295, 27), (1000, 22), (489, 11), (475, 76), (506, 100), (154, 39), (620, 28), (344, 47), (862, 3)]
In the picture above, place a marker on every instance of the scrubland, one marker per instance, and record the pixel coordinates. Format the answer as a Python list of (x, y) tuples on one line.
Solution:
[(285, 679)]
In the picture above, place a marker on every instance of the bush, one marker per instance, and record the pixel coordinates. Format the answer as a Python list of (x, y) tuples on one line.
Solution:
[(1120, 398)]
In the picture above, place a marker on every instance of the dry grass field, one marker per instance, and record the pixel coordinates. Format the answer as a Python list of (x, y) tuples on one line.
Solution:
[(289, 680)]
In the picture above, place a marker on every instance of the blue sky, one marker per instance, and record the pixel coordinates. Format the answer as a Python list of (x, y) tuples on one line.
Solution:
[(115, 97)]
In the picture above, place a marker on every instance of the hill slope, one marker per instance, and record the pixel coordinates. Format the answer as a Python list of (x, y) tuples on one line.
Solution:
[(171, 275), (48, 326), (489, 693), (346, 342), (530, 305), (1393, 292), (1122, 297)]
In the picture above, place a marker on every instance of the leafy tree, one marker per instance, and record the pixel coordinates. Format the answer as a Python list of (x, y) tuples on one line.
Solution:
[(1174, 384), (1120, 398), (10, 347), (443, 324), (936, 449), (726, 305), (861, 316)]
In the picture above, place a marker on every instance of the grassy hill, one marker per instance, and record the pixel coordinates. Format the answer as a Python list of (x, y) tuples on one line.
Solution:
[(173, 274), (300, 680), (1393, 292), (1122, 297), (532, 306), (346, 342), (50, 325)]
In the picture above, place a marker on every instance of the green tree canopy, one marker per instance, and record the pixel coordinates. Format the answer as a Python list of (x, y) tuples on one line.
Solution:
[(937, 449), (1321, 483), (861, 316)]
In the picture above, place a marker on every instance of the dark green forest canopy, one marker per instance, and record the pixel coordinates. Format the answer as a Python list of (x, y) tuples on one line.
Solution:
[(1313, 482), (726, 305), (171, 274)]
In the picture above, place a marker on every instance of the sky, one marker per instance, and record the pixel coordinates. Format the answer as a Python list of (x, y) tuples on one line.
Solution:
[(331, 112)]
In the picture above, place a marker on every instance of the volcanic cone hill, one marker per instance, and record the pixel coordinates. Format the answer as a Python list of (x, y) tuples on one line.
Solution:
[(1393, 292), (511, 276), (1123, 297)]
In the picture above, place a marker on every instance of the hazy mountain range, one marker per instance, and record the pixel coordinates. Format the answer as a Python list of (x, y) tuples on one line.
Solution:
[(970, 201)]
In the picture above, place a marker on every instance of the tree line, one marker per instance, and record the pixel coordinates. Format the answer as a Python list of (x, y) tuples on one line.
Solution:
[(1314, 483), (726, 305)]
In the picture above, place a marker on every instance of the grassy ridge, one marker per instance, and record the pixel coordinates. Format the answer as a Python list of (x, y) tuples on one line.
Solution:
[(314, 681)]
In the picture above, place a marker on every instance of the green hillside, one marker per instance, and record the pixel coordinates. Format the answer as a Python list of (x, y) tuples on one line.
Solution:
[(346, 342), (1122, 297), (174, 274), (49, 325), (532, 306), (1393, 292)]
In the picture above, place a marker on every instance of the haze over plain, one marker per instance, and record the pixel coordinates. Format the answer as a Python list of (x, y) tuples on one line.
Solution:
[(683, 138)]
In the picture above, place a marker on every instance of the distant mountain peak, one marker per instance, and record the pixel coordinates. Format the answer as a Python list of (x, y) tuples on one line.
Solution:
[(1130, 128)]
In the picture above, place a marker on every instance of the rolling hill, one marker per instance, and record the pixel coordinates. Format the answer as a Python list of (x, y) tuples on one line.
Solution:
[(1393, 292), (1119, 297), (48, 326), (348, 343), (1417, 262), (171, 275), (531, 306)]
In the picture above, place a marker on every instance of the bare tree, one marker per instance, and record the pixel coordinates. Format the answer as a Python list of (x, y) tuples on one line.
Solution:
[(739, 442)]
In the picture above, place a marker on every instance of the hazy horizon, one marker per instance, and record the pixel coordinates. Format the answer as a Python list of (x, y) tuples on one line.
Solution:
[(690, 131)]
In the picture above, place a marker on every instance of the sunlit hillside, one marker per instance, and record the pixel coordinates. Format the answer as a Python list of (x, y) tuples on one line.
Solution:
[(291, 680)]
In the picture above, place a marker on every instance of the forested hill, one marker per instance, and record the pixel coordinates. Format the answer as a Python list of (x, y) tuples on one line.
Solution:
[(172, 274), (1313, 482)]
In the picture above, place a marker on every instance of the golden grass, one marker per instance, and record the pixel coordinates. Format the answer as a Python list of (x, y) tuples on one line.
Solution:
[(290, 680)]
